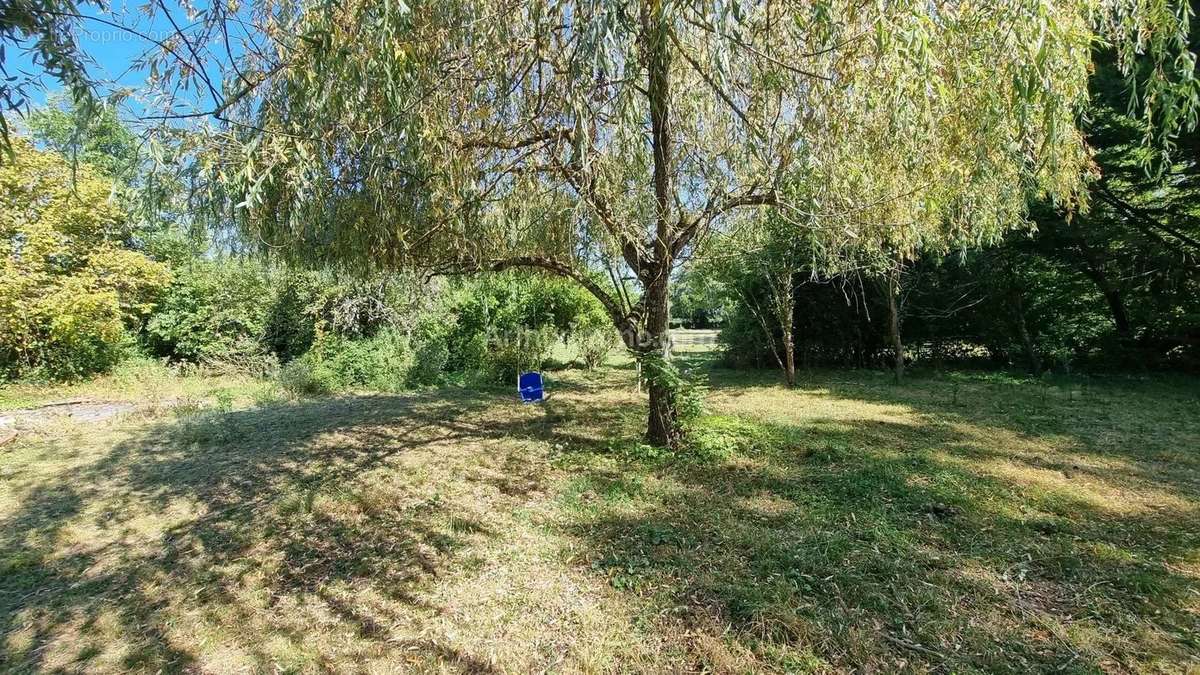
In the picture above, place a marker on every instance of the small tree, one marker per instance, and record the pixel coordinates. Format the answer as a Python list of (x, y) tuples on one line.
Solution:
[(43, 31), (761, 264), (70, 292), (895, 301), (91, 135)]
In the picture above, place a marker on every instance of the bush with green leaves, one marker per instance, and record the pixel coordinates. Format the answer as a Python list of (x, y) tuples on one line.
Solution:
[(71, 291), (593, 345), (303, 377), (78, 331), (499, 324), (321, 302), (291, 329), (379, 363), (429, 363), (521, 350), (215, 311), (431, 352)]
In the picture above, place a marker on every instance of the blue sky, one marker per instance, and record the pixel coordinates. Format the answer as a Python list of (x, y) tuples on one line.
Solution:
[(114, 53), (113, 50)]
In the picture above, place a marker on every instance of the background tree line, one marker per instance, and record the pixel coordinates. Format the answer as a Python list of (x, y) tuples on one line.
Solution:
[(1113, 285)]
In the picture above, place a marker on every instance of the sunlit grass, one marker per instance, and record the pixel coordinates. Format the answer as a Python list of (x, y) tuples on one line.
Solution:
[(138, 380), (954, 523)]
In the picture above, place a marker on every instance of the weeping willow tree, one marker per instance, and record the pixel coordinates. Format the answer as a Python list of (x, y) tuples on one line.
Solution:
[(603, 141)]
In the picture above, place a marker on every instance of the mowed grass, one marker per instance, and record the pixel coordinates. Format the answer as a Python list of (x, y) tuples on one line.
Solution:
[(952, 523), (145, 382)]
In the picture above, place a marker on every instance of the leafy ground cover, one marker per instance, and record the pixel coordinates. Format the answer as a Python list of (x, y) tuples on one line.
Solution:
[(955, 522)]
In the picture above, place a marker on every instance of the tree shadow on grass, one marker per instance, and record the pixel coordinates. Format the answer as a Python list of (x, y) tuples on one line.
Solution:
[(835, 543), (1126, 430), (268, 521), (832, 542)]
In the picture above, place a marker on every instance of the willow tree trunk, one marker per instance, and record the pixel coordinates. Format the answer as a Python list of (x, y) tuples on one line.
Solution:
[(1035, 361), (787, 323), (1093, 268), (1016, 298), (786, 308), (1027, 343), (1116, 306), (662, 427), (789, 358)]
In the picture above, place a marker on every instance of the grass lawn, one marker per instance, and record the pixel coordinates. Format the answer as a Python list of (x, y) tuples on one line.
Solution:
[(953, 523)]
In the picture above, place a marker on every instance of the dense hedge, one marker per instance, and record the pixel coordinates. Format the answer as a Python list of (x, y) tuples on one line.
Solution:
[(971, 310)]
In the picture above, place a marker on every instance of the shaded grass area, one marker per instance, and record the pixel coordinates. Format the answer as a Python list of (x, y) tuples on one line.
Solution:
[(951, 523), (313, 535)]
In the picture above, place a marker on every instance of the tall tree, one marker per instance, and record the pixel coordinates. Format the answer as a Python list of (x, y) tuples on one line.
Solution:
[(574, 135), (761, 266), (89, 134), (71, 292), (893, 290)]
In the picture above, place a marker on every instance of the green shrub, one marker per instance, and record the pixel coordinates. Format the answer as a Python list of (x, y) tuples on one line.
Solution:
[(722, 436), (477, 354), (594, 345), (243, 355), (496, 325), (303, 377), (520, 351), (380, 363), (139, 370), (291, 328), (429, 360), (267, 394), (71, 292), (81, 334), (335, 363), (309, 304), (214, 311), (224, 400)]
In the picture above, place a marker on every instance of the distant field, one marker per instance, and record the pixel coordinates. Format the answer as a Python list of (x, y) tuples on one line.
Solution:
[(688, 340), (957, 523)]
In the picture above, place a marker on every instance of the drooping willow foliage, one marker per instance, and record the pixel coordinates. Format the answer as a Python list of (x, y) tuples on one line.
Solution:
[(469, 132), (42, 31), (383, 131)]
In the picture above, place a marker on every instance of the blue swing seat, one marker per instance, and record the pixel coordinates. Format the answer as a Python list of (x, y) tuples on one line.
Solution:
[(529, 385)]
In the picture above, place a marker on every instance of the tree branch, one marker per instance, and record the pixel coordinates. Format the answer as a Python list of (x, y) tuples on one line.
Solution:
[(1139, 215), (716, 210), (750, 199), (585, 185), (715, 86), (499, 144)]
